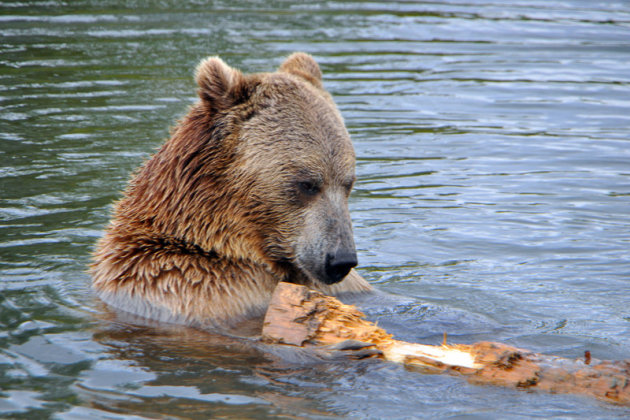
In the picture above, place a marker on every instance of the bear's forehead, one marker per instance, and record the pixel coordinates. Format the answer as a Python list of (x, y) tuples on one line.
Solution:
[(284, 159), (297, 149), (297, 126), (293, 106), (296, 139)]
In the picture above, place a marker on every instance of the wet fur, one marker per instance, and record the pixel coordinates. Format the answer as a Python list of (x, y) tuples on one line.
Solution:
[(208, 225)]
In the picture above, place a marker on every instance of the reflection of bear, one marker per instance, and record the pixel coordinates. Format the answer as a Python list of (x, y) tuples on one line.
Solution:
[(251, 189)]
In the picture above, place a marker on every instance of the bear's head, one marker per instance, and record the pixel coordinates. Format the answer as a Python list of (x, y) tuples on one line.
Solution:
[(259, 170)]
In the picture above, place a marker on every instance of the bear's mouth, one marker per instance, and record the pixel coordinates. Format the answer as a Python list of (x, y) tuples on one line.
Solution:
[(295, 273), (305, 269), (291, 272)]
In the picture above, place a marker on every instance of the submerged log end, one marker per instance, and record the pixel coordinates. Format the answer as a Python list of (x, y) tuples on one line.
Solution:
[(509, 366)]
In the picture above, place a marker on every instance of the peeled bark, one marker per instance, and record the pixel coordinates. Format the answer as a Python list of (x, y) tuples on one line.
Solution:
[(302, 317)]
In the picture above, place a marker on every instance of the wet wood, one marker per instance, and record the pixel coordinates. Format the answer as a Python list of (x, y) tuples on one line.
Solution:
[(302, 317)]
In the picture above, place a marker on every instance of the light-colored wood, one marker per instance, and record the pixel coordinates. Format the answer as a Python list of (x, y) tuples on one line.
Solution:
[(302, 317)]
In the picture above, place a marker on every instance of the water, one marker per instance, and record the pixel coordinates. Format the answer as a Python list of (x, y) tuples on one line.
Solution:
[(493, 192)]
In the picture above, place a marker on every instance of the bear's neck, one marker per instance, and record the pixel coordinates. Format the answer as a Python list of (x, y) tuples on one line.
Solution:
[(227, 244)]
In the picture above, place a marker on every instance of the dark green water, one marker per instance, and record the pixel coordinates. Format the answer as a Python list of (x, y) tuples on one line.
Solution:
[(493, 149)]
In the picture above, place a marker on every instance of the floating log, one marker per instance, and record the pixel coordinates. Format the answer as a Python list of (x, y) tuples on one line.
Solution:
[(302, 317)]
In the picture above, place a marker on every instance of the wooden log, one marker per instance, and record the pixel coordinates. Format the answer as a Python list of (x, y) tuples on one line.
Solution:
[(302, 317)]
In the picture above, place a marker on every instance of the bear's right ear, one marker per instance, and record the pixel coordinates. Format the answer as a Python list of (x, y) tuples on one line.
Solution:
[(303, 65), (220, 86)]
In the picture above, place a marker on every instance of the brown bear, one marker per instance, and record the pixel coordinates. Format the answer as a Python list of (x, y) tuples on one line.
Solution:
[(251, 189)]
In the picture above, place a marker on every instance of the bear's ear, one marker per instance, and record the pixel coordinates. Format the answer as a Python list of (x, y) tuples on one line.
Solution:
[(303, 65), (220, 86)]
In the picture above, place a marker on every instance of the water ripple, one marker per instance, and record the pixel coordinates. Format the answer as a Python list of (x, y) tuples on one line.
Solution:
[(493, 188)]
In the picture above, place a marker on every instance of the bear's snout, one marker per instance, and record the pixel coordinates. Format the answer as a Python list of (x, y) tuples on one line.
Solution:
[(339, 264)]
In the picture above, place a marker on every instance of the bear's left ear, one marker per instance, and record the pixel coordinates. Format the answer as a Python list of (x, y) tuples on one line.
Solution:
[(220, 86), (303, 65)]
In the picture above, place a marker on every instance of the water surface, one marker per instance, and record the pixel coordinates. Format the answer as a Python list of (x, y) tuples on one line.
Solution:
[(493, 194)]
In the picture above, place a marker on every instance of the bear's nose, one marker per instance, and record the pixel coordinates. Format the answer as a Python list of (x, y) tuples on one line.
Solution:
[(339, 264)]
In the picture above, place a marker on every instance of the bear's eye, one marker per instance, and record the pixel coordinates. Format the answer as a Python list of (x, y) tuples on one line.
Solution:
[(308, 187), (348, 186)]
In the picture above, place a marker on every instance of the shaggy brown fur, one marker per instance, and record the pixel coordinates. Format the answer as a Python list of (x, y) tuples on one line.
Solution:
[(251, 189)]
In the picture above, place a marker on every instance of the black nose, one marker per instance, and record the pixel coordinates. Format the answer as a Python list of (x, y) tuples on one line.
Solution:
[(338, 265)]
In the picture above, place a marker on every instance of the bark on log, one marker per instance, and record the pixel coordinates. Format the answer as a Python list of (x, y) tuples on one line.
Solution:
[(303, 317)]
